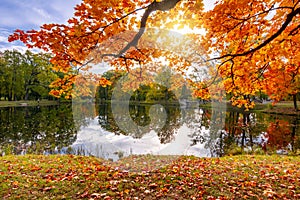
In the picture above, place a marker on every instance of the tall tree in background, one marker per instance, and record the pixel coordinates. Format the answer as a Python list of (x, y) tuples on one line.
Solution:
[(25, 76), (37, 74), (255, 42), (12, 73)]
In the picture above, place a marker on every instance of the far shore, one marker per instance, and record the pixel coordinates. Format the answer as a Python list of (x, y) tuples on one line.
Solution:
[(23, 103), (281, 108)]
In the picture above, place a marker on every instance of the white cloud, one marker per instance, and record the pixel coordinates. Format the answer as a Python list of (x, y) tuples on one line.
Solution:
[(3, 39), (101, 143), (44, 14), (21, 49), (31, 14)]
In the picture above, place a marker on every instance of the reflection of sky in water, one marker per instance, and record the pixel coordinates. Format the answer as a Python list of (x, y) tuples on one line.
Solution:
[(101, 143)]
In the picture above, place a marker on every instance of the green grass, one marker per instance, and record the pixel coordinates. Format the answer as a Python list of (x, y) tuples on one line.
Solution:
[(282, 108), (76, 177), (29, 103)]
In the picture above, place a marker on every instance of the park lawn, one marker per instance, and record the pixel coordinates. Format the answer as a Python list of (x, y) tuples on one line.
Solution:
[(186, 177), (282, 108), (28, 103)]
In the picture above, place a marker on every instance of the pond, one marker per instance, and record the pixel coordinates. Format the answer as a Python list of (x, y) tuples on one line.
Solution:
[(101, 131)]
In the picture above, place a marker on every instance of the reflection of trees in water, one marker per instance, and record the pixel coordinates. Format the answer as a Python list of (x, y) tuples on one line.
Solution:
[(279, 134), (140, 116), (215, 141), (249, 131), (83, 113), (283, 133), (106, 119), (207, 127), (173, 123), (295, 136), (242, 130), (198, 121), (37, 128), (53, 127), (255, 130), (219, 132)]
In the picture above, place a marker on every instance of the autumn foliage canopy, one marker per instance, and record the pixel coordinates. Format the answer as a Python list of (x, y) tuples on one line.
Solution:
[(253, 44)]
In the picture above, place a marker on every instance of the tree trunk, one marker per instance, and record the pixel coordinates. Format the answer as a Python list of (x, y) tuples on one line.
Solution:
[(244, 130), (26, 94), (295, 102), (166, 95), (294, 126), (221, 144)]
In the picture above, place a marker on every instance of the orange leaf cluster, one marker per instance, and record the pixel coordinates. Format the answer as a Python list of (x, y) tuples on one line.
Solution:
[(256, 42)]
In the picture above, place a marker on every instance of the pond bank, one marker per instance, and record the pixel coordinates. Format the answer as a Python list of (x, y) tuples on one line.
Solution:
[(28, 103), (247, 177), (280, 108)]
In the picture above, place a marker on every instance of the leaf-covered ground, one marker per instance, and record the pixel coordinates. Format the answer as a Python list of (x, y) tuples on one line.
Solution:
[(77, 177)]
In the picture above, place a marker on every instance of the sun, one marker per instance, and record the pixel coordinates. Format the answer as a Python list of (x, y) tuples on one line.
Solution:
[(184, 30)]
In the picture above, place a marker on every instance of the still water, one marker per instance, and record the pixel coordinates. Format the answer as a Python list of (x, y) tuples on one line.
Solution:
[(101, 131)]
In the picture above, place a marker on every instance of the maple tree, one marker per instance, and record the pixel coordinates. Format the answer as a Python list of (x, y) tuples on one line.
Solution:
[(255, 43), (258, 47)]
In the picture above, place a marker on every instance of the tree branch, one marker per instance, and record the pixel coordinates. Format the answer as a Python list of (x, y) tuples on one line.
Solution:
[(154, 6), (288, 20)]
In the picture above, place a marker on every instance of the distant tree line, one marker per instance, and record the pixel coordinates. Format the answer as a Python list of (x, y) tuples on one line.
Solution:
[(25, 76), (158, 91)]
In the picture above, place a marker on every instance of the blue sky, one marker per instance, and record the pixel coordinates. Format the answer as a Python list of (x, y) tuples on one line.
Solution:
[(31, 14)]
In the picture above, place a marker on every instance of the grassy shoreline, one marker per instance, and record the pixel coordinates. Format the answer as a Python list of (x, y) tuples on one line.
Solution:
[(188, 177), (280, 108), (23, 103)]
